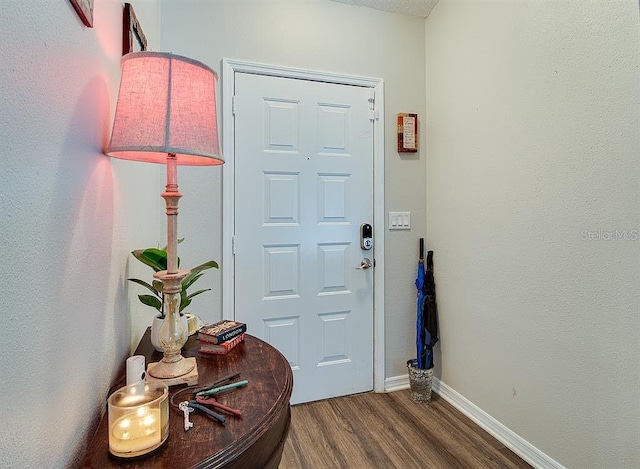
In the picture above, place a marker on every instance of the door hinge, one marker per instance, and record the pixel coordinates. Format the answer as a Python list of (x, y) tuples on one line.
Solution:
[(373, 112), (233, 105), (233, 245)]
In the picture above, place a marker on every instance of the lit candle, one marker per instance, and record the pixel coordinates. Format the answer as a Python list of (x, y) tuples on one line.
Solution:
[(138, 422), (136, 432)]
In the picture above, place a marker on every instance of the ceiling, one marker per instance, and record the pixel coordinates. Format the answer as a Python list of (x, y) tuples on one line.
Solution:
[(420, 8)]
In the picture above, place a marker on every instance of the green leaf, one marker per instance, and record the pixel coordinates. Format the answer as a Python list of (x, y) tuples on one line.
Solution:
[(205, 266), (197, 293), (190, 280), (193, 275), (180, 240), (151, 301), (184, 300), (154, 258), (157, 285), (147, 286)]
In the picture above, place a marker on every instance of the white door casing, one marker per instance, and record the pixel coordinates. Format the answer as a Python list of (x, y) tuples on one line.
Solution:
[(270, 276)]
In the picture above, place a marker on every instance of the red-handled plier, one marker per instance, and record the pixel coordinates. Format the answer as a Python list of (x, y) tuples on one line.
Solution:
[(211, 401)]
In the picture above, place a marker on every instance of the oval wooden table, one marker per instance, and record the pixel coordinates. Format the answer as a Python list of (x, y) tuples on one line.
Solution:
[(255, 440)]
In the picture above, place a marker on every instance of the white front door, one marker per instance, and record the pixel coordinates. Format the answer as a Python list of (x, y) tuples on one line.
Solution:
[(303, 186)]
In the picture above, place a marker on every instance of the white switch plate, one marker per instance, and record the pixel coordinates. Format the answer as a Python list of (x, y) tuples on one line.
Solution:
[(399, 220)]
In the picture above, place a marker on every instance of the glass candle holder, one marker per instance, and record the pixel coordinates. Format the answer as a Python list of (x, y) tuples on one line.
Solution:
[(138, 421)]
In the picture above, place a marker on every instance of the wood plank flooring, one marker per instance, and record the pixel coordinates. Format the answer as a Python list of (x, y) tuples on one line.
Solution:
[(379, 431)]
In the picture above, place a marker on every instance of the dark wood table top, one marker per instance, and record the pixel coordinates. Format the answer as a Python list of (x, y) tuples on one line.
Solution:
[(254, 440)]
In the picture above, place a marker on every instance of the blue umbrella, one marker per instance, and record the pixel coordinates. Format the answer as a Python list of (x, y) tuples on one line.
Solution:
[(427, 312), (420, 285)]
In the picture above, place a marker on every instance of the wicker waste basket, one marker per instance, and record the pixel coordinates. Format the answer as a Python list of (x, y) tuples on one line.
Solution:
[(419, 382)]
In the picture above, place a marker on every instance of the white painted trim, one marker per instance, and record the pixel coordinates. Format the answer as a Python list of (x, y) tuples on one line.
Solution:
[(228, 190), (396, 383), (507, 437), (379, 229), (287, 72), (229, 69)]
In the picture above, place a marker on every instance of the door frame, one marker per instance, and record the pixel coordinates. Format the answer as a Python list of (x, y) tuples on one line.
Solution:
[(229, 68)]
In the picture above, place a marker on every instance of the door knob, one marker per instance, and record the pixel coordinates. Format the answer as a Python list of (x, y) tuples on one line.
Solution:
[(364, 264)]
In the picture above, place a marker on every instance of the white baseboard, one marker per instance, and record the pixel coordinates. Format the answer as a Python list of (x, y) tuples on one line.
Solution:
[(511, 440), (397, 383)]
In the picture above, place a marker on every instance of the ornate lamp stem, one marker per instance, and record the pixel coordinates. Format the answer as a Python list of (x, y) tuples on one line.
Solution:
[(171, 196), (172, 334)]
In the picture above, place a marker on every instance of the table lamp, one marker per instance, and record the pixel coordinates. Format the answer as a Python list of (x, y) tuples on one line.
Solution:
[(166, 113)]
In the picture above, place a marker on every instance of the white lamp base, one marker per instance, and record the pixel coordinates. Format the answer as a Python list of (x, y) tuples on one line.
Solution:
[(189, 378)]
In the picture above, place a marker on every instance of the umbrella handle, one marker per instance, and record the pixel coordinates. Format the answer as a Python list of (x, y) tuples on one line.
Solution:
[(421, 249)]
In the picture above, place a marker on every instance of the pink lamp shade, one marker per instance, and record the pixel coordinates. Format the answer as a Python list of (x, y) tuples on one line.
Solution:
[(166, 104)]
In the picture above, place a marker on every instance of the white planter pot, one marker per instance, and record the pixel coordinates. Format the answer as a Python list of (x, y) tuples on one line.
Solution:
[(155, 329)]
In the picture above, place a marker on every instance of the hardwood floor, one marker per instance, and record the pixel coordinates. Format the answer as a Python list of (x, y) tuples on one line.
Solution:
[(389, 431)]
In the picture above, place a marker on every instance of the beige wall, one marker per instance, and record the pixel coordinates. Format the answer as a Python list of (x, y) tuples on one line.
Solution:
[(533, 141), (325, 36), (67, 215)]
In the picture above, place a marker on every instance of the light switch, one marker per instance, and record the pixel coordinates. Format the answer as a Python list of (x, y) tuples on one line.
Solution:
[(399, 220)]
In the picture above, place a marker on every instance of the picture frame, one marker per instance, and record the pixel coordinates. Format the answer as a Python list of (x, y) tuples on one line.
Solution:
[(407, 132), (133, 39), (84, 8)]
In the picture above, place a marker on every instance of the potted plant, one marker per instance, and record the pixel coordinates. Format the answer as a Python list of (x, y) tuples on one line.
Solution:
[(157, 260)]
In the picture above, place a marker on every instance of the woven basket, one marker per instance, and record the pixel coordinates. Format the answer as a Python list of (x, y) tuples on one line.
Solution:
[(419, 382)]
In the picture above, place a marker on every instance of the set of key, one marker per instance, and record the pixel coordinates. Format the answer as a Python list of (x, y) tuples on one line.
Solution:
[(186, 410), (204, 397), (189, 406)]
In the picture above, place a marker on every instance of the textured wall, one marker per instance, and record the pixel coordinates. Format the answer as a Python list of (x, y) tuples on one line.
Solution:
[(326, 36), (65, 231), (420, 8), (533, 140)]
